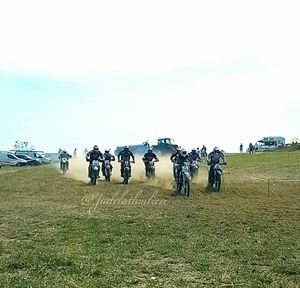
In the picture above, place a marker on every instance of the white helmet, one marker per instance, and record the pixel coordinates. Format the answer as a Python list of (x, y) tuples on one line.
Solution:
[(216, 149)]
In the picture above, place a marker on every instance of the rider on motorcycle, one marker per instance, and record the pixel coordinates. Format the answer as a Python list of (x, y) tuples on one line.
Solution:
[(203, 151), (214, 158), (194, 156), (94, 154), (173, 158), (109, 157), (181, 159), (148, 157), (125, 155), (62, 155)]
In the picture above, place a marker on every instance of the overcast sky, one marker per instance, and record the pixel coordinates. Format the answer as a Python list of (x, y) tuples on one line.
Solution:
[(79, 73)]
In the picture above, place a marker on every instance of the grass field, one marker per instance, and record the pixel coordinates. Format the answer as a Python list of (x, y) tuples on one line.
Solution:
[(56, 231)]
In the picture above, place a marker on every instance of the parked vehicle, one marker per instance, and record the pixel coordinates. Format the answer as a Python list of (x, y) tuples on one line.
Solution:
[(30, 160), (35, 155), (270, 143), (7, 158), (139, 149), (164, 146)]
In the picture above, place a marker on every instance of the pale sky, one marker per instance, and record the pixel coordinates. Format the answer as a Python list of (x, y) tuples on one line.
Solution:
[(79, 73)]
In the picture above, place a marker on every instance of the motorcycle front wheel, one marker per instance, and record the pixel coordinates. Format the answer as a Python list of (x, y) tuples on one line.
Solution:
[(126, 176), (187, 188), (107, 175), (218, 183), (178, 184)]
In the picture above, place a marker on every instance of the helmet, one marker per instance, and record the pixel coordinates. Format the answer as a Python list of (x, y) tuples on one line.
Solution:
[(64, 151), (126, 148), (216, 149), (106, 150), (183, 152), (96, 147), (178, 149), (193, 150), (150, 150)]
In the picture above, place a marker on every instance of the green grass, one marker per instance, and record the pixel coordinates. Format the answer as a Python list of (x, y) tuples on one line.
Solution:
[(58, 232)]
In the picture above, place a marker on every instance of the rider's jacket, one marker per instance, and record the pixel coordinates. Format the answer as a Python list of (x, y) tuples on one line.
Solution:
[(194, 156), (64, 155), (149, 156), (108, 156), (125, 155), (174, 156), (214, 157), (94, 155), (182, 158)]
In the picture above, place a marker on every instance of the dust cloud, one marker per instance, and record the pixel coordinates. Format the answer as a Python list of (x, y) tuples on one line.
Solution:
[(78, 170)]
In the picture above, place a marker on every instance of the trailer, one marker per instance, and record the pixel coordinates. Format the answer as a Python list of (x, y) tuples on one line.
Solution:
[(139, 149), (271, 143)]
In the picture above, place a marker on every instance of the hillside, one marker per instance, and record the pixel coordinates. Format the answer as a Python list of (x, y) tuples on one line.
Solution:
[(59, 232)]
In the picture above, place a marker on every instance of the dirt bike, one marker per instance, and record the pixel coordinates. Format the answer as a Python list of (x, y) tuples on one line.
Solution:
[(107, 170), (64, 165), (94, 171), (194, 169), (126, 171), (215, 177), (150, 169), (183, 179)]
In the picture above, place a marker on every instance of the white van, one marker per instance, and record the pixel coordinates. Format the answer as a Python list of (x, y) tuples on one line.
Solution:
[(7, 158), (271, 143)]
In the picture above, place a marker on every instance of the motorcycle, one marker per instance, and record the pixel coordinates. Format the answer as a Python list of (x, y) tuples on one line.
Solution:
[(126, 171), (107, 170), (215, 177), (194, 169), (183, 179), (150, 169), (64, 165), (94, 171)]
